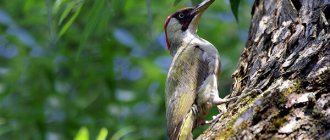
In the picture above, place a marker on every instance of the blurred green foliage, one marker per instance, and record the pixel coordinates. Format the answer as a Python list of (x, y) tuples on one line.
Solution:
[(92, 64), (83, 134)]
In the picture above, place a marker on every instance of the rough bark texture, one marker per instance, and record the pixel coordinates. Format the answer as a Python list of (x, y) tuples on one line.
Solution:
[(286, 63)]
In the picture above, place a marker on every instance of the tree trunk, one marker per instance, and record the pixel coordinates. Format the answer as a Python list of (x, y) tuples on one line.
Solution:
[(286, 64)]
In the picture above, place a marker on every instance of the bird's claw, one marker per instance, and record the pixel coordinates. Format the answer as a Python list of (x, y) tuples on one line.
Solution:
[(222, 101), (214, 119)]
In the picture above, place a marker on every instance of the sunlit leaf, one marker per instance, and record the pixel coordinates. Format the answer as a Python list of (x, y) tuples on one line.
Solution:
[(122, 132), (58, 4), (67, 11), (82, 134), (71, 20), (234, 4), (102, 134)]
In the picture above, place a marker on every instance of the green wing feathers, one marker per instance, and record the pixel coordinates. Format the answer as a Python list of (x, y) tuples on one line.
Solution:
[(181, 90)]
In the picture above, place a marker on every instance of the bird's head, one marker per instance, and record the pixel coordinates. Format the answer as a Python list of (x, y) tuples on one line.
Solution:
[(183, 23)]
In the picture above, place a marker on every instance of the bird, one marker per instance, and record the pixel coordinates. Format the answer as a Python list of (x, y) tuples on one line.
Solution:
[(191, 85)]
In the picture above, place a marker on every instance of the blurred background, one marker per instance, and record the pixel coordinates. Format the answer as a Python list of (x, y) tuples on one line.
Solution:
[(70, 65)]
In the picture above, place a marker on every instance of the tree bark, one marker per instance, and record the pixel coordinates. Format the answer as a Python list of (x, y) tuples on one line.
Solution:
[(286, 64)]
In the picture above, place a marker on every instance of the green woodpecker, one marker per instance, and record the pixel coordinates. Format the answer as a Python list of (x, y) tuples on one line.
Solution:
[(191, 85)]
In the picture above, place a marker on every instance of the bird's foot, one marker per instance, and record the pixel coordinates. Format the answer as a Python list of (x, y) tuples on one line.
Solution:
[(214, 119), (194, 109), (220, 101)]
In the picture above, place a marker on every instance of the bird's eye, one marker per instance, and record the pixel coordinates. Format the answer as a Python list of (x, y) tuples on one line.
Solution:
[(181, 15)]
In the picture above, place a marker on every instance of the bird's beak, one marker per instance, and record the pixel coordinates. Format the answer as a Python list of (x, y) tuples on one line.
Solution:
[(200, 8), (197, 12)]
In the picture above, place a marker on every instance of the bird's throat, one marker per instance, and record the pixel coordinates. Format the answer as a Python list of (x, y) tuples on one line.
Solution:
[(177, 41)]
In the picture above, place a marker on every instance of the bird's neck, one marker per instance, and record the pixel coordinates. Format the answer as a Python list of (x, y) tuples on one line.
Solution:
[(176, 41)]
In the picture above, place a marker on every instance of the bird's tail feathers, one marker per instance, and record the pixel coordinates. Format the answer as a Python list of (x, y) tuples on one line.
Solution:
[(184, 130)]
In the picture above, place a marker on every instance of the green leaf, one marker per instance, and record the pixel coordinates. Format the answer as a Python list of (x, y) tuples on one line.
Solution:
[(82, 134), (58, 4), (68, 24), (67, 11), (102, 134), (234, 4), (122, 132)]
